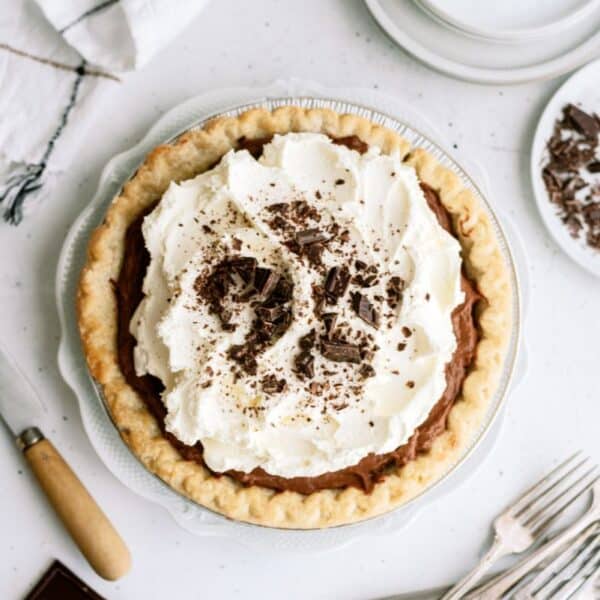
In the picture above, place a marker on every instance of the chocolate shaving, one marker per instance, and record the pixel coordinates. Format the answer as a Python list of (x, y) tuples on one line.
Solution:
[(364, 282), (282, 292), (270, 313), (336, 283), (340, 351), (212, 289), (273, 316), (265, 281), (582, 122), (310, 236), (314, 253), (316, 388), (366, 353), (318, 294), (278, 223), (365, 310), (329, 320), (307, 342), (305, 364), (281, 208), (394, 291), (271, 385), (245, 356), (366, 371), (244, 266)]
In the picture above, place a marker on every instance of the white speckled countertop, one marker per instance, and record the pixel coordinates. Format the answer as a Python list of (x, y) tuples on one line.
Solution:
[(555, 410)]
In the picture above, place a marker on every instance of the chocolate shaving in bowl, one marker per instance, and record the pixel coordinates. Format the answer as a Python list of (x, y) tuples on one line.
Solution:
[(569, 173), (582, 122)]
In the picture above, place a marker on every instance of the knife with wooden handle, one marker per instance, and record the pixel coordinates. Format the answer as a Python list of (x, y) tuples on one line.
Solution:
[(89, 527)]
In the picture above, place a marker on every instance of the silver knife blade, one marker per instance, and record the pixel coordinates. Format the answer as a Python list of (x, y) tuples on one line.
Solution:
[(20, 406)]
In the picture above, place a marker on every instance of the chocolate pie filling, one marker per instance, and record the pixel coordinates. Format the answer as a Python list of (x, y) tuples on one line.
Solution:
[(370, 469)]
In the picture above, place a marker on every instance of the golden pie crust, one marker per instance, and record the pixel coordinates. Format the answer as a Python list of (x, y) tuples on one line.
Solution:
[(193, 153)]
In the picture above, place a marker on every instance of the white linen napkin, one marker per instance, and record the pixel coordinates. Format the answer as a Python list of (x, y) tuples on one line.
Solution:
[(56, 58)]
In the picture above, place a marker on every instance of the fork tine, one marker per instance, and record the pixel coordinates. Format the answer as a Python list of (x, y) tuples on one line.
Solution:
[(542, 520), (575, 574), (591, 583), (534, 491), (557, 564)]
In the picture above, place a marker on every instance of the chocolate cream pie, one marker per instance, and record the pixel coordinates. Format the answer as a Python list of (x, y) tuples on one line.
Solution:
[(297, 320)]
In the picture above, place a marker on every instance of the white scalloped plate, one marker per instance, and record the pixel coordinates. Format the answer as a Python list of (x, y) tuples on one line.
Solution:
[(471, 58), (510, 20), (101, 431)]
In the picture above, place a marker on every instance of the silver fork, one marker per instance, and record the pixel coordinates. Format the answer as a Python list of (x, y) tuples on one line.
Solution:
[(569, 572), (523, 523), (573, 534)]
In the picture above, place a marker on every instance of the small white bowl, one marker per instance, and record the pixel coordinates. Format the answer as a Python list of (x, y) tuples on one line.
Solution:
[(582, 88)]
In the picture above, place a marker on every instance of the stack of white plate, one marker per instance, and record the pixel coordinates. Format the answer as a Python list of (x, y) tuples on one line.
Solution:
[(508, 41)]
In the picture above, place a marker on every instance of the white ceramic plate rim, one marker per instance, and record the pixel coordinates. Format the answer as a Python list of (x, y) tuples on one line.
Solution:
[(193, 517), (575, 249), (545, 70), (508, 35)]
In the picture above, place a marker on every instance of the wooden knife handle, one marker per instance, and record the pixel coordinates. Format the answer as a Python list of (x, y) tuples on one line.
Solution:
[(89, 527)]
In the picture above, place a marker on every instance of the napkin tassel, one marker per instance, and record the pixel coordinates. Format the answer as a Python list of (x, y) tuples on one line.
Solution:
[(18, 186), (29, 178)]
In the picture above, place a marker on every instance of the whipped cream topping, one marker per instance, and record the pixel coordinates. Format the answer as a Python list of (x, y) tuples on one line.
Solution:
[(371, 221)]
